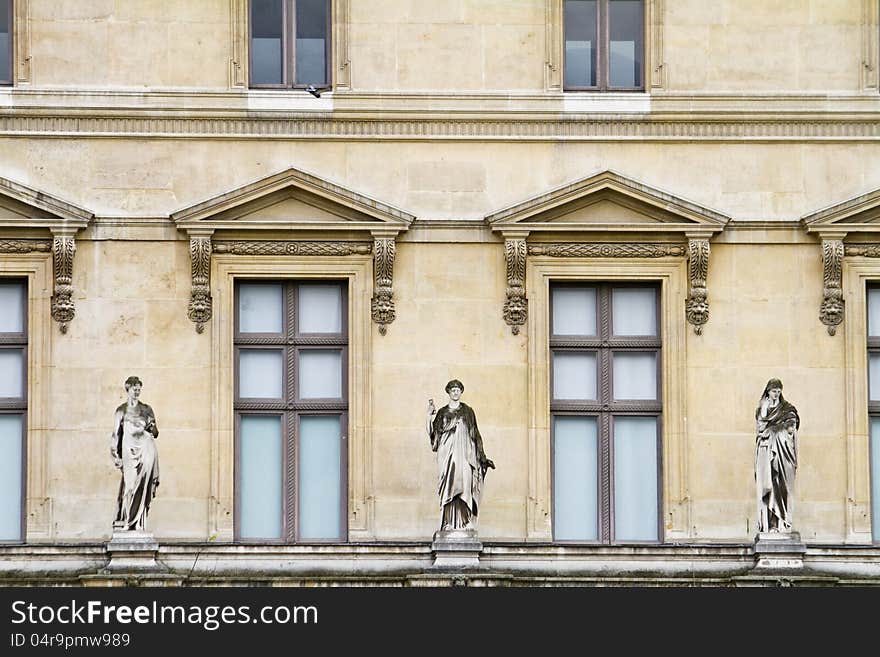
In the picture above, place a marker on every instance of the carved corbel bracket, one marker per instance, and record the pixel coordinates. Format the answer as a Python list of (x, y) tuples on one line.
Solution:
[(382, 304), (697, 302), (200, 302), (516, 305), (63, 252), (832, 309)]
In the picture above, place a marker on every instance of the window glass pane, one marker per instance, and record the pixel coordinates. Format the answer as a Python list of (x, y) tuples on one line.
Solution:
[(634, 375), (11, 364), (625, 50), (574, 310), (260, 373), (260, 463), (11, 304), (874, 377), (260, 308), (580, 43), (634, 311), (5, 41), (574, 375), (311, 41), (874, 311), (320, 374), (635, 478), (320, 483), (320, 309), (11, 427), (575, 485), (875, 473), (267, 35)]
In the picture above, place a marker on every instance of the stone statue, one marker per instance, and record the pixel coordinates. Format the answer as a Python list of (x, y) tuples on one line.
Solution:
[(461, 461), (133, 448), (777, 423)]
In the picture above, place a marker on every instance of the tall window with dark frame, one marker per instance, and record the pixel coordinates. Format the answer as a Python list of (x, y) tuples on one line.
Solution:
[(605, 411), (874, 401), (6, 32), (289, 43), (291, 411), (604, 45), (13, 407)]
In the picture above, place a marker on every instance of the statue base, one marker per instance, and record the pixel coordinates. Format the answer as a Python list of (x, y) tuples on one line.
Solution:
[(779, 551), (456, 548), (132, 551)]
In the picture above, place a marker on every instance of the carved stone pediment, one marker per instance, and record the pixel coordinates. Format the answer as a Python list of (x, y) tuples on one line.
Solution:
[(24, 209), (292, 200), (858, 216), (292, 213), (606, 215)]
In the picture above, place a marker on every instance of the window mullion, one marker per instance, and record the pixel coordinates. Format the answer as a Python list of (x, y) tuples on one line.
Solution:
[(290, 477), (604, 46), (605, 494)]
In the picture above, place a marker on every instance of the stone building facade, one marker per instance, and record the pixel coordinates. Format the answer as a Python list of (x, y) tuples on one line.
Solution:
[(455, 183)]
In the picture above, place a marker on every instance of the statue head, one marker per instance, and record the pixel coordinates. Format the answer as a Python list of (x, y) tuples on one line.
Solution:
[(454, 389), (773, 389), (133, 387)]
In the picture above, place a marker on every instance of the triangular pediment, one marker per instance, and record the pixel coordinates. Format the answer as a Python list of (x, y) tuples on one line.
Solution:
[(292, 200), (858, 214), (25, 207), (607, 201)]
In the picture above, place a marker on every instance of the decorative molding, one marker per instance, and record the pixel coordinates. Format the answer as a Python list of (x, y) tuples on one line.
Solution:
[(22, 42), (577, 128), (238, 61), (516, 306), (697, 302), (832, 310), (382, 303), (341, 57), (654, 20), (870, 54), (25, 246), (554, 31), (63, 252), (278, 247), (607, 250), (864, 250), (200, 303)]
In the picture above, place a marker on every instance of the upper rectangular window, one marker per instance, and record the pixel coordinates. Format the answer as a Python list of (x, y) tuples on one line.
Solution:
[(289, 43), (291, 411), (874, 402), (605, 411), (6, 23), (604, 45), (13, 406)]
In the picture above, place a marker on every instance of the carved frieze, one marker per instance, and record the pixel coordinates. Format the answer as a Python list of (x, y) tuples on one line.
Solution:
[(697, 302), (273, 248), (516, 306), (200, 302), (63, 252), (865, 250), (25, 246), (383, 295), (832, 310), (606, 250)]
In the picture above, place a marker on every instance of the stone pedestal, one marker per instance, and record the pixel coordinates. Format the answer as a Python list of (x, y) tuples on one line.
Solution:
[(132, 551), (779, 551), (456, 548)]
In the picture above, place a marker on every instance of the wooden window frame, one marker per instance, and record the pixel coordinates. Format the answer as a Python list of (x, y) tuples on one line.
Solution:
[(288, 49), (19, 405), (603, 29), (605, 407), (290, 407)]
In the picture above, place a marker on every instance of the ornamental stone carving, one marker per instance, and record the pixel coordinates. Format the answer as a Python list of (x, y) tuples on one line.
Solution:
[(606, 250), (63, 252), (832, 310), (697, 303), (200, 303), (25, 246), (258, 247), (383, 296), (516, 306)]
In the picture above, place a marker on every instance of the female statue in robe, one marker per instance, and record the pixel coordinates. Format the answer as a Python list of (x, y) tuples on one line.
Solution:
[(777, 422)]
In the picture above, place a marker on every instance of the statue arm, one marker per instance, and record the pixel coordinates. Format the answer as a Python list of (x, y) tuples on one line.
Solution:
[(430, 421), (150, 418), (114, 440)]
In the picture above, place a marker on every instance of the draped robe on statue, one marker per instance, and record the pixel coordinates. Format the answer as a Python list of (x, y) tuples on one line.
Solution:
[(134, 448), (459, 446), (775, 463)]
